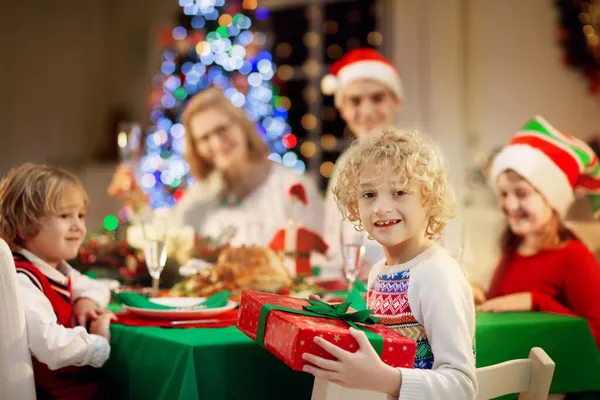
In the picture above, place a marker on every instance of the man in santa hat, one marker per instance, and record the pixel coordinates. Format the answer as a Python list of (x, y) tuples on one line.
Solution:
[(294, 242), (368, 94)]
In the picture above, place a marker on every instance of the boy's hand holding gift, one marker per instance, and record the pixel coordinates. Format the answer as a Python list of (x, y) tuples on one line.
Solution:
[(292, 328), (362, 369)]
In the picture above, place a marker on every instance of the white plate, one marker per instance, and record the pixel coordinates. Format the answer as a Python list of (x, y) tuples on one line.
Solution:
[(186, 310), (112, 284)]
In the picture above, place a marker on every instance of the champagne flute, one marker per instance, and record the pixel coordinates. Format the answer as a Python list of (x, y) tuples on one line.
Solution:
[(129, 140), (155, 251), (454, 239), (353, 251)]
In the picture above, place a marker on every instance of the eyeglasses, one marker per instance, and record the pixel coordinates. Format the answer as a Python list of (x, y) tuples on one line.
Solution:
[(218, 131)]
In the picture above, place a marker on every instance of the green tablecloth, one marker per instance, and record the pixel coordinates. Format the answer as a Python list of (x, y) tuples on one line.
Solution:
[(567, 340), (223, 363)]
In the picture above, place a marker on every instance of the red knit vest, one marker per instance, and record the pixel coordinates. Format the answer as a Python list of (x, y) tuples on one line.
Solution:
[(68, 383)]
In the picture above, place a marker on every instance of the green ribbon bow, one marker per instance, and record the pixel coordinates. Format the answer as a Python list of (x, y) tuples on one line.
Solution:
[(320, 309), (340, 311)]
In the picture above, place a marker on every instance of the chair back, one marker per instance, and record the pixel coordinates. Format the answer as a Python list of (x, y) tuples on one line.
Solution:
[(588, 232), (531, 377), (325, 390), (16, 372)]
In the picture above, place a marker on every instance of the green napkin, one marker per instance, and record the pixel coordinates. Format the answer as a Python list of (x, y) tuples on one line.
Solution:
[(138, 301), (92, 274), (359, 286), (356, 300)]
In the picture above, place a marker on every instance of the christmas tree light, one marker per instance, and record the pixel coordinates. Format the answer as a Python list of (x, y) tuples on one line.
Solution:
[(215, 43)]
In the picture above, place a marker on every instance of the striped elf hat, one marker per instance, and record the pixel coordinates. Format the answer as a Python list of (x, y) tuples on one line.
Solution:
[(555, 163)]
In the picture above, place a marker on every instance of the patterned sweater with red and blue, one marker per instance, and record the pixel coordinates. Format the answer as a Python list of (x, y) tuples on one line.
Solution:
[(429, 300)]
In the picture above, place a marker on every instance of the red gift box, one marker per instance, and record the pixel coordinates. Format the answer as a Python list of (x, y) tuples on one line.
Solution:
[(288, 335)]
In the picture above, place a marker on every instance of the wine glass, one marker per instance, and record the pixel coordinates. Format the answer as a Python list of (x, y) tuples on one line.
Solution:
[(453, 239), (129, 140), (155, 251), (353, 251)]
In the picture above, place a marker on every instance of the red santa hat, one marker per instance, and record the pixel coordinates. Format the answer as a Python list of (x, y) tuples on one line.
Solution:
[(553, 162), (362, 63), (297, 191)]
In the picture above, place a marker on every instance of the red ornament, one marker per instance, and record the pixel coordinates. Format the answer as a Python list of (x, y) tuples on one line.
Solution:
[(297, 190), (165, 37)]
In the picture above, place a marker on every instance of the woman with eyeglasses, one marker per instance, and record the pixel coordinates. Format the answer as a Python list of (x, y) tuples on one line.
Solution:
[(236, 185)]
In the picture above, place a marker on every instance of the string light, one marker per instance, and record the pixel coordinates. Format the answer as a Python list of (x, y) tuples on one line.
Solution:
[(330, 27), (328, 142), (326, 169), (110, 222), (285, 72), (308, 149), (310, 39), (375, 38), (334, 51), (308, 122), (283, 50)]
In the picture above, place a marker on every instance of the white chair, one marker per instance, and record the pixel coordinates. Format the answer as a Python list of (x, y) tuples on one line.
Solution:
[(16, 373), (531, 377), (325, 390), (588, 232)]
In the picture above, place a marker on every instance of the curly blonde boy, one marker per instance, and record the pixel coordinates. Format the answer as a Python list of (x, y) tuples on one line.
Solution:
[(415, 159), (393, 185)]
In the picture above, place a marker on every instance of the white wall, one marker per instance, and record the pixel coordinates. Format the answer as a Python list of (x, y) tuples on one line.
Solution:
[(53, 98), (515, 70), (476, 70)]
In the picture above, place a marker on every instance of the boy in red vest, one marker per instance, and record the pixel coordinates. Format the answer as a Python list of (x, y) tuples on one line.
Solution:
[(42, 218)]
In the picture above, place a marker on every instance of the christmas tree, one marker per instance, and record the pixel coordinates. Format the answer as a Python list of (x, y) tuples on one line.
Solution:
[(218, 43)]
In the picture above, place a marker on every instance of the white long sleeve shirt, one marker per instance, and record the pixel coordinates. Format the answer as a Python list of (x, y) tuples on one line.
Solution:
[(435, 301), (16, 372), (49, 342), (257, 218)]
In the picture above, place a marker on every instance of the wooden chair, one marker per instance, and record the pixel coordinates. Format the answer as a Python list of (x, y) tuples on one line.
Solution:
[(324, 390), (16, 373), (531, 377)]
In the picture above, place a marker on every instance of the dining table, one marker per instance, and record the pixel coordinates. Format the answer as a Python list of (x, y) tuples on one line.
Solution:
[(223, 363)]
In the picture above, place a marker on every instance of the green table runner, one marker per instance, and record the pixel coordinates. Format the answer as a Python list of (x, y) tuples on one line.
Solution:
[(223, 363)]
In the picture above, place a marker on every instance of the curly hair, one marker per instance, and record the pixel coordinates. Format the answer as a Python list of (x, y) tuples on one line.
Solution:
[(28, 193), (415, 159)]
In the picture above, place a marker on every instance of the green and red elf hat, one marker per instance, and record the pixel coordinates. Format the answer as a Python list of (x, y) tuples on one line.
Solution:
[(556, 164)]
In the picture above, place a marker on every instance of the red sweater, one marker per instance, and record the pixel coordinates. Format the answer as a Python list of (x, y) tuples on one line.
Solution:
[(563, 281)]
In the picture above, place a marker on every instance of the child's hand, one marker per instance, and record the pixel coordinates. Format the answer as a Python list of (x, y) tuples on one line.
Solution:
[(86, 310), (360, 370), (101, 325), (479, 296), (512, 302)]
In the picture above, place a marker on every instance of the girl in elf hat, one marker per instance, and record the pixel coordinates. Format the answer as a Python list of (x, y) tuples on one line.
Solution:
[(394, 186), (368, 94), (544, 266)]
